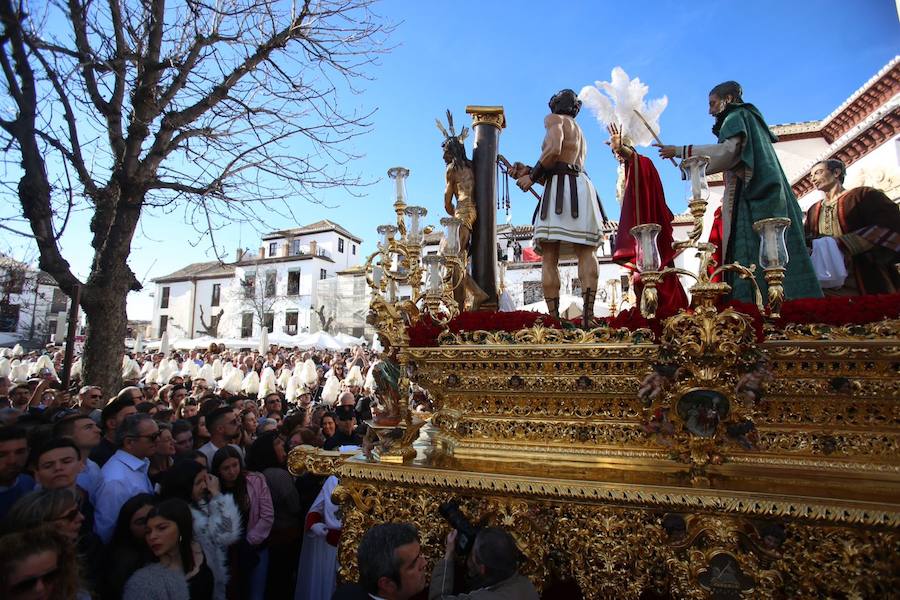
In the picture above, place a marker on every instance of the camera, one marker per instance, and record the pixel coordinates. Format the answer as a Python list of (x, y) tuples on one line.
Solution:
[(465, 539)]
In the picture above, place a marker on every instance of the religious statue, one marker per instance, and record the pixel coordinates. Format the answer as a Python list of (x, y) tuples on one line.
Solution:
[(573, 226), (755, 188), (865, 226), (643, 201), (460, 178)]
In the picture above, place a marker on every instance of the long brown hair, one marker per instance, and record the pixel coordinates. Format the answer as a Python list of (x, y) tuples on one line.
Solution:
[(239, 488)]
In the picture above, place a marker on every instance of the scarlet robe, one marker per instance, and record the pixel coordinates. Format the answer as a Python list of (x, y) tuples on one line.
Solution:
[(645, 202)]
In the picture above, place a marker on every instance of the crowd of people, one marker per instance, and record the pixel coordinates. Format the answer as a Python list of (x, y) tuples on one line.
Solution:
[(175, 486)]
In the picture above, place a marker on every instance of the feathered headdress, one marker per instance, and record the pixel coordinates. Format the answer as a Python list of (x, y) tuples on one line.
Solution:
[(623, 96), (462, 134)]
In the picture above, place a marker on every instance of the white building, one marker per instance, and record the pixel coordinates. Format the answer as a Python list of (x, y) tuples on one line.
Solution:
[(32, 307), (275, 288)]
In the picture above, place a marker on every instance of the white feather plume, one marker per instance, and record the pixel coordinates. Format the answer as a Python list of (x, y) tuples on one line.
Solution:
[(616, 100)]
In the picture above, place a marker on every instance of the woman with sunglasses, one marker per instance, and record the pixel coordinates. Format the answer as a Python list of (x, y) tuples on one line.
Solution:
[(39, 563), (180, 570), (59, 509)]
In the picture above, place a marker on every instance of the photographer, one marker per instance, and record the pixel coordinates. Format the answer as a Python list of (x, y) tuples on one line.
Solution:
[(492, 568)]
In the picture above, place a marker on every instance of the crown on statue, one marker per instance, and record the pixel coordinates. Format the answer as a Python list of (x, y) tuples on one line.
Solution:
[(462, 134)]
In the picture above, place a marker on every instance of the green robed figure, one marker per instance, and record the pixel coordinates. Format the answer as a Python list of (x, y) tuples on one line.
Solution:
[(755, 188)]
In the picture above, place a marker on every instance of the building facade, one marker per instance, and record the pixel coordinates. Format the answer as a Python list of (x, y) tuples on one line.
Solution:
[(275, 288), (33, 309)]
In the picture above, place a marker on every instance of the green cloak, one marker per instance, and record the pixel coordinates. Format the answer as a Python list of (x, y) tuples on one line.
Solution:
[(764, 193)]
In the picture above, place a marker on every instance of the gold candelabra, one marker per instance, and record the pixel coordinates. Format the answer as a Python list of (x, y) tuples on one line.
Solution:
[(399, 262), (706, 290)]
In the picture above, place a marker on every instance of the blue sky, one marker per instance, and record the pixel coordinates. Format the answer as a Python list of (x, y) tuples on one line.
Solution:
[(796, 60)]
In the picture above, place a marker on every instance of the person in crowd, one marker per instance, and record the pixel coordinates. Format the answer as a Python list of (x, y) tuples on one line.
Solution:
[(249, 423), (177, 396), (391, 563), (345, 434), (188, 409), (61, 509), (39, 563), (162, 459), (267, 455), (183, 436), (223, 429), (253, 499), (127, 551), (126, 473), (111, 417), (318, 556), (151, 391), (272, 405), (180, 570), (265, 425), (328, 426), (57, 466), (149, 408), (201, 433), (492, 567), (85, 433), (14, 483), (89, 398), (217, 521)]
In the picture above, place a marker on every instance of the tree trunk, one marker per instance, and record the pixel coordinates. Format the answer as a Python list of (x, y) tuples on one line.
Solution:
[(104, 346)]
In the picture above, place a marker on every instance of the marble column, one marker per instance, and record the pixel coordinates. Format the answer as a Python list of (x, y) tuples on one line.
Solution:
[(487, 122)]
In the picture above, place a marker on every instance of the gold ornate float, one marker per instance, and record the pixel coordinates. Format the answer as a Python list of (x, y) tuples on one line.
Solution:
[(716, 458)]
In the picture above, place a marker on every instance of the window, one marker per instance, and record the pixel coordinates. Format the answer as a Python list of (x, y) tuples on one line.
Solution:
[(323, 274), (216, 294), (163, 324), (9, 317), (273, 249), (270, 284), (293, 283), (353, 249), (290, 322), (164, 301), (295, 247), (340, 244), (249, 284), (59, 301), (532, 291), (269, 321), (246, 325)]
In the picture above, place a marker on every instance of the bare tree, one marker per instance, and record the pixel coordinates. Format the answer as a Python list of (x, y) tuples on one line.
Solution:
[(212, 328), (122, 106), (258, 293), (324, 323)]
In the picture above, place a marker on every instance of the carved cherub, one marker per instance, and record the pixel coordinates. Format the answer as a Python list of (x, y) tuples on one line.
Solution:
[(751, 386), (654, 384)]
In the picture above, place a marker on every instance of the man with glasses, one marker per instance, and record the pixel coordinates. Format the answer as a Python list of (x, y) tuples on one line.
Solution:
[(111, 417), (89, 402), (125, 474), (272, 406)]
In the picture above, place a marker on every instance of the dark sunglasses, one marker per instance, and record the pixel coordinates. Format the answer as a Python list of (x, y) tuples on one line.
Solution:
[(152, 437), (29, 584)]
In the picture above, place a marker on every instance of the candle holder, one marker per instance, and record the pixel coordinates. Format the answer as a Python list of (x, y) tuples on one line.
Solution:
[(648, 262), (773, 258), (399, 175), (694, 169)]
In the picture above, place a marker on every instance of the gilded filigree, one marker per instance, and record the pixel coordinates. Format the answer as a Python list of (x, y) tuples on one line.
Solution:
[(539, 334)]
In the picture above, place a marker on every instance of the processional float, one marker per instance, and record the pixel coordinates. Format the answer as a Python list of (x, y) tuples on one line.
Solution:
[(713, 453)]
